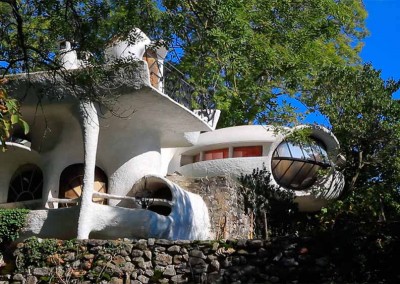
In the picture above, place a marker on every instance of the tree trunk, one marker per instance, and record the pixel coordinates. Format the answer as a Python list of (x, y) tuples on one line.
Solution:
[(266, 225), (90, 131)]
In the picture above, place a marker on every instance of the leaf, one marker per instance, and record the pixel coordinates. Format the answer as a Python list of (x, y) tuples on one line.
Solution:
[(14, 119), (25, 126)]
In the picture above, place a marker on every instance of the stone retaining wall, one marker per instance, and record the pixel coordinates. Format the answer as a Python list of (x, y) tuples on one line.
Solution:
[(225, 205), (287, 260)]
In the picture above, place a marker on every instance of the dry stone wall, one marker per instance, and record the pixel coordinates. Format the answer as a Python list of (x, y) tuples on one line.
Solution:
[(165, 261), (224, 202), (325, 258)]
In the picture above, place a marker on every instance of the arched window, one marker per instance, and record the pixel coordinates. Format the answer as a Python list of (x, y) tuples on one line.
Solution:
[(296, 165), (71, 183), (26, 184)]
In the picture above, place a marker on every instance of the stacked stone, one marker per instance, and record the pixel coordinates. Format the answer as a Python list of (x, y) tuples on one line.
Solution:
[(228, 217), (165, 261)]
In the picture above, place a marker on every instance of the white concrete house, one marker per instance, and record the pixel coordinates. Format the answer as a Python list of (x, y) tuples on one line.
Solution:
[(238, 150), (93, 172)]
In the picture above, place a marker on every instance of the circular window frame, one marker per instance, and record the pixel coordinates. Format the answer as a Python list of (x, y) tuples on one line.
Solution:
[(28, 173), (320, 133)]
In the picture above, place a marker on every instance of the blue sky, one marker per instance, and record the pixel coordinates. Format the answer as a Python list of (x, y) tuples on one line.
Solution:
[(382, 47)]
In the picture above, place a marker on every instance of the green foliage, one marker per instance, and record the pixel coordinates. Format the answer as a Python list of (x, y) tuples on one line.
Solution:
[(242, 54), (11, 222), (260, 197), (35, 252), (247, 53), (9, 115), (366, 120)]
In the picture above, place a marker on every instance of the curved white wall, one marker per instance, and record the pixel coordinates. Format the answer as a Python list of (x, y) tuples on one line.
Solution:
[(327, 187)]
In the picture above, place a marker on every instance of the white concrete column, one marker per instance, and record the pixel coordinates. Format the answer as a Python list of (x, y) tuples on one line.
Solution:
[(90, 131)]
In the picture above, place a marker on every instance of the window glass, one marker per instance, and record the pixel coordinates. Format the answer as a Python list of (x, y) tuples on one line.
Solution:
[(296, 165), (249, 151), (216, 154), (26, 184)]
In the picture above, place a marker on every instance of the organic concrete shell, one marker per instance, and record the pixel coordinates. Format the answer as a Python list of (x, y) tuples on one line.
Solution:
[(124, 140), (132, 217), (328, 186)]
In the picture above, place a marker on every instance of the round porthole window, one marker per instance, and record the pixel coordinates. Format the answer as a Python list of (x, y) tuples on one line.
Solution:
[(26, 184), (296, 165)]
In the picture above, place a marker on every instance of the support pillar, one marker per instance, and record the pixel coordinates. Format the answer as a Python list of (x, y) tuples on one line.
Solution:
[(90, 130)]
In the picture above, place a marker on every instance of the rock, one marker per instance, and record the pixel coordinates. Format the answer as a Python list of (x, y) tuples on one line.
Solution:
[(226, 263), (241, 243), (76, 264), (177, 259), (137, 260), (211, 257), (163, 259), (164, 242), (169, 271), (151, 241), (136, 253), (142, 244), (128, 267), (42, 271), (197, 253), (149, 273), (96, 243), (148, 254), (215, 246), (256, 243), (174, 249), (193, 261), (215, 265), (31, 280), (143, 279), (118, 260), (145, 265), (159, 268), (179, 279), (159, 249), (116, 280), (70, 256), (18, 277), (87, 265), (88, 256), (182, 242)]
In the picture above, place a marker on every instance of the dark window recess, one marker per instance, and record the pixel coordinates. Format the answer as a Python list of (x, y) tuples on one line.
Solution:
[(160, 209), (26, 184)]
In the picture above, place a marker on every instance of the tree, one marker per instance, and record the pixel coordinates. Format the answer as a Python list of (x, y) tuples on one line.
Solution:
[(245, 53), (9, 115), (270, 206), (366, 119), (240, 55)]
